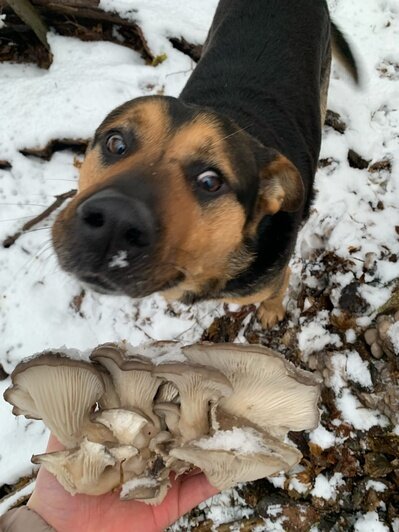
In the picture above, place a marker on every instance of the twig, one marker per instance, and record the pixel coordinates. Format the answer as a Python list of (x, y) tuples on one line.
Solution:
[(59, 200)]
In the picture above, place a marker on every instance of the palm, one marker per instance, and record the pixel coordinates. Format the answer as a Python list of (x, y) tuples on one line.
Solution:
[(107, 513)]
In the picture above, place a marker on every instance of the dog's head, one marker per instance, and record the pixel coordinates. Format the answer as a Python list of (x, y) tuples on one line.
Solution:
[(169, 196)]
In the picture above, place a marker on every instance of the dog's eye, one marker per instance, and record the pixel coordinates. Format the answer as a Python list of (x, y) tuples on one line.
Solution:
[(210, 181), (115, 144)]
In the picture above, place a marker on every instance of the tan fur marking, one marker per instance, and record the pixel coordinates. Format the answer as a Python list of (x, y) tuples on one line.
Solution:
[(150, 122), (271, 310), (271, 297), (201, 137), (205, 247), (281, 188)]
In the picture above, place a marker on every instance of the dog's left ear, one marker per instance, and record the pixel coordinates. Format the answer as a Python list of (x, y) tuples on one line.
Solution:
[(280, 185)]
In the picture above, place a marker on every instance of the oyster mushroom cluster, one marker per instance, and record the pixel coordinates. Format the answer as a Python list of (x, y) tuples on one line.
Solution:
[(128, 417)]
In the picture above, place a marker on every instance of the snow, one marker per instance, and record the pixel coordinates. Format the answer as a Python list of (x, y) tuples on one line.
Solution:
[(353, 412), (298, 486), (278, 481), (119, 260), (244, 441), (339, 376), (135, 483), (376, 486), (357, 369), (224, 511), (315, 337), (327, 488), (369, 522), (350, 336), (11, 500), (322, 437), (159, 354), (176, 19), (348, 366)]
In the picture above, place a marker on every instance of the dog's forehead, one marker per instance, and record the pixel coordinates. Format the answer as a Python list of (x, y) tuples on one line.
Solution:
[(156, 116)]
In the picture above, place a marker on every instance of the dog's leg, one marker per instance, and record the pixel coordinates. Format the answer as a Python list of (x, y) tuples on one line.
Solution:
[(271, 310)]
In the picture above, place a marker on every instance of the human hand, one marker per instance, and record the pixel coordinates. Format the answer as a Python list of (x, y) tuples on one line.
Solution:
[(107, 513)]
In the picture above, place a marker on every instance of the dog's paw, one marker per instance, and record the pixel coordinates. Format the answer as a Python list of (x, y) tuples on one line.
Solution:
[(270, 313)]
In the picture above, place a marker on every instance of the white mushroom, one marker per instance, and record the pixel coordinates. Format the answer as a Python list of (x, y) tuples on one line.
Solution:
[(110, 398), (239, 455), (121, 453), (134, 384), (167, 393), (268, 390), (128, 426), (89, 469), (60, 391), (198, 386), (170, 412), (136, 465), (145, 489)]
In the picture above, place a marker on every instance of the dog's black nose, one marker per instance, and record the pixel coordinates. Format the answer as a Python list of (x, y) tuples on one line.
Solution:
[(110, 220)]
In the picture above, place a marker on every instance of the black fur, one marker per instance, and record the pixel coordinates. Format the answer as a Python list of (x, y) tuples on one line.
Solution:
[(262, 67)]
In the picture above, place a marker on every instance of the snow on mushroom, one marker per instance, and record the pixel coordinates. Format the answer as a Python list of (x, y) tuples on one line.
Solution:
[(238, 455), (133, 415)]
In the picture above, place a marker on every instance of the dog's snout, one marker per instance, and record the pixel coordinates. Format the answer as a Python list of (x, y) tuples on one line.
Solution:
[(111, 220)]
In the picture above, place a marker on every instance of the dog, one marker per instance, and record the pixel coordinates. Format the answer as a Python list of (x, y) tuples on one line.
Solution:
[(202, 196)]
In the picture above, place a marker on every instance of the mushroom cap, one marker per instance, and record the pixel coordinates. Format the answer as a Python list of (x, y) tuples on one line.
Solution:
[(136, 465), (198, 385), (110, 398), (167, 393), (89, 469), (59, 390), (226, 463), (121, 453), (131, 376), (268, 390), (170, 412), (128, 426), (160, 352), (145, 489)]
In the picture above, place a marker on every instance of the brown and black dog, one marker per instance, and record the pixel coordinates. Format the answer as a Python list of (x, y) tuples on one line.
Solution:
[(202, 196)]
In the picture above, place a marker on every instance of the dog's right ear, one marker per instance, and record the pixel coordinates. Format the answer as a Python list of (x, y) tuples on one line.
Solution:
[(280, 185)]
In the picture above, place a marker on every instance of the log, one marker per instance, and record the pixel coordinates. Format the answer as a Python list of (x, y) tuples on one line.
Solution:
[(78, 18)]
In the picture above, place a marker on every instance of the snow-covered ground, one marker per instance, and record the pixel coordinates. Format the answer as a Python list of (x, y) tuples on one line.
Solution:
[(351, 236)]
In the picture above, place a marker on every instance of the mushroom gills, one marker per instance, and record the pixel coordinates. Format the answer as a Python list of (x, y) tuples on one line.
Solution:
[(89, 469)]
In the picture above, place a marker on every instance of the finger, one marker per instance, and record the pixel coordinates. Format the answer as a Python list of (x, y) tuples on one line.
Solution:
[(193, 491), (54, 445)]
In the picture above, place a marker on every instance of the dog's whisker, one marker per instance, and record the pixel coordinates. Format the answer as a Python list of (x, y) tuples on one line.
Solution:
[(27, 265), (69, 180), (37, 229), (22, 205), (235, 132), (15, 219)]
